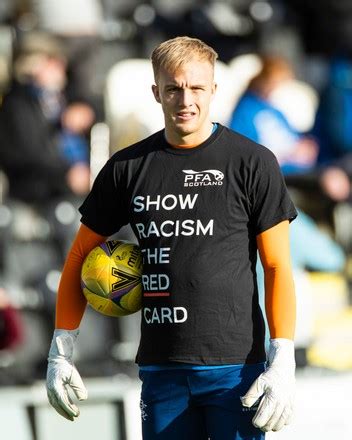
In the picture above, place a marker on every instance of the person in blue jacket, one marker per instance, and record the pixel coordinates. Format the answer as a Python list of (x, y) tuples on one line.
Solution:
[(257, 118)]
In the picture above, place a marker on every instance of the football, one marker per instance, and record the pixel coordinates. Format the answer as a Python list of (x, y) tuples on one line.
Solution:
[(111, 278)]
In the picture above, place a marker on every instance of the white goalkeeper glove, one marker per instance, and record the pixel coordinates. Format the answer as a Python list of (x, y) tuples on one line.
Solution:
[(276, 386), (62, 374)]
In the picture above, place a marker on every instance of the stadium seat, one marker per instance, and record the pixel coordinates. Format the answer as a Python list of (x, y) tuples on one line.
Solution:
[(131, 110), (332, 326), (224, 100), (242, 69), (293, 96)]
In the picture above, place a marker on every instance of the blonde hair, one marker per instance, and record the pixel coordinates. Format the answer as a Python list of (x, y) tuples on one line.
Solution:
[(172, 54)]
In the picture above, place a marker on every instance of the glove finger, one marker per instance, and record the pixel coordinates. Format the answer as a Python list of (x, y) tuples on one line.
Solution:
[(55, 404), (284, 419), (65, 402), (76, 383), (279, 425), (255, 391), (277, 419), (265, 411), (288, 415)]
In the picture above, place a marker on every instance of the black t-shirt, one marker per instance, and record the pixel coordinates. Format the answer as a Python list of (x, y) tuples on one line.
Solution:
[(196, 213)]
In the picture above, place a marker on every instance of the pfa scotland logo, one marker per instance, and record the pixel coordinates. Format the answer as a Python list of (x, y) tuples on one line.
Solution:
[(203, 178)]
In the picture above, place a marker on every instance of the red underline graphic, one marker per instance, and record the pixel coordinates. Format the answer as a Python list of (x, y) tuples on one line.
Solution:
[(156, 294)]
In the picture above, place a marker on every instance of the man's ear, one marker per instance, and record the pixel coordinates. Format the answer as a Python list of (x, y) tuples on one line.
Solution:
[(155, 90), (213, 90)]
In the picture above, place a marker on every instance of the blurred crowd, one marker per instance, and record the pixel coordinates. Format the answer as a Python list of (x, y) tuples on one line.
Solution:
[(75, 87)]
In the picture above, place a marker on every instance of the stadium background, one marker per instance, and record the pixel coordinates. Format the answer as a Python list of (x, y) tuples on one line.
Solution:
[(108, 44)]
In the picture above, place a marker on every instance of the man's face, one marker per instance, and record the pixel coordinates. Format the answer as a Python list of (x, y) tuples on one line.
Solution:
[(50, 73), (185, 96)]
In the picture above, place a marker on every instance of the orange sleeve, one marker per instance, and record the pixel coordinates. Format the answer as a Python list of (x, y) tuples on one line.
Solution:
[(71, 302), (280, 301)]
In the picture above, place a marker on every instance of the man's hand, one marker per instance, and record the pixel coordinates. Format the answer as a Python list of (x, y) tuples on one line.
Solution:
[(62, 374), (275, 387)]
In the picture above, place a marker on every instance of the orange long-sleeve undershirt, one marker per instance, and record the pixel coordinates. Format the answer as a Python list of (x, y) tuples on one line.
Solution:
[(273, 245), (280, 300), (71, 302)]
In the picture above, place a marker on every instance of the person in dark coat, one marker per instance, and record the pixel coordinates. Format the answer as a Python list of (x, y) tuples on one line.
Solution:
[(32, 153)]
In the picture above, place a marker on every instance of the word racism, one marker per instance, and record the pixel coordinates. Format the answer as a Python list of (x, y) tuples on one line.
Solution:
[(169, 228)]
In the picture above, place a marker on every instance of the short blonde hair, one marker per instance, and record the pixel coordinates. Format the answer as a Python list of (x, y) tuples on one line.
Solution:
[(172, 54)]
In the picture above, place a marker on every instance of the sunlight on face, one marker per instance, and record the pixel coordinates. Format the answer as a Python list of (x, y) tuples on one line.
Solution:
[(185, 97)]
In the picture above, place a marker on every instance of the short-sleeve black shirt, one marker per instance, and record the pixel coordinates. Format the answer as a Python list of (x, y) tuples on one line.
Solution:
[(196, 213)]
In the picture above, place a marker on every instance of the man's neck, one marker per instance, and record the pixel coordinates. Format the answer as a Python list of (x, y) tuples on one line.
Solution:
[(189, 140)]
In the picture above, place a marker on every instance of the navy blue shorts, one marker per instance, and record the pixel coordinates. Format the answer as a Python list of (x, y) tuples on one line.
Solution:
[(186, 404)]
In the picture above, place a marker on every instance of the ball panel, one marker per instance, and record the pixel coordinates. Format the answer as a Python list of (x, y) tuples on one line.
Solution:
[(104, 305), (96, 272), (132, 301), (122, 281), (110, 246), (127, 257)]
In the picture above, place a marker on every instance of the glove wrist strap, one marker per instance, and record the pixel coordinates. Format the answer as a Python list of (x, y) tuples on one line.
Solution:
[(62, 345)]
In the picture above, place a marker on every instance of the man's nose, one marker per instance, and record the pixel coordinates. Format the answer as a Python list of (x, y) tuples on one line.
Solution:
[(185, 97)]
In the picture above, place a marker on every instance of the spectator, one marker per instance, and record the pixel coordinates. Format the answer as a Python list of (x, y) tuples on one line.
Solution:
[(257, 118), (36, 127), (78, 25), (11, 330)]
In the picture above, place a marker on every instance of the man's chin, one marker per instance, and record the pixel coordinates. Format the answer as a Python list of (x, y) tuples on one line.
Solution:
[(186, 128)]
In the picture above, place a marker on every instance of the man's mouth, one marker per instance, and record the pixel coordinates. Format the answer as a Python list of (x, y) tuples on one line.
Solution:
[(185, 116)]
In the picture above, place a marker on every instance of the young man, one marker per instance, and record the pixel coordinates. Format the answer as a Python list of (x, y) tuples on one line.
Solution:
[(201, 200)]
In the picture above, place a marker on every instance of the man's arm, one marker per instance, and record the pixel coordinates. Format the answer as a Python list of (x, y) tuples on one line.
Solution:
[(275, 387), (71, 302), (280, 300), (70, 308)]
